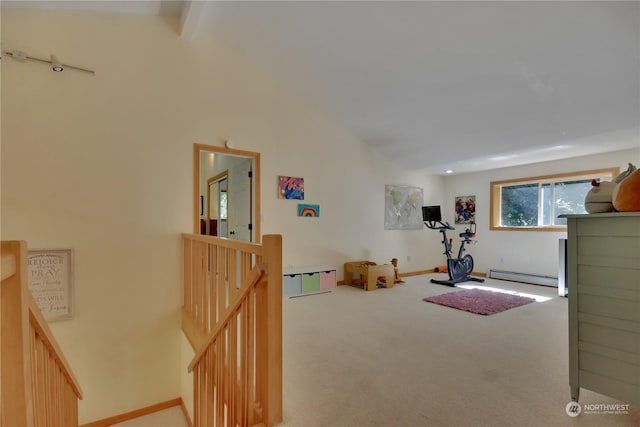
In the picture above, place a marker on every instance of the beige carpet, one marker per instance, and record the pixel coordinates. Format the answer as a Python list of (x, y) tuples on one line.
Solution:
[(386, 358)]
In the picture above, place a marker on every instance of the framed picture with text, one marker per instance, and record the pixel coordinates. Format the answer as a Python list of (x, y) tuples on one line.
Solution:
[(50, 280)]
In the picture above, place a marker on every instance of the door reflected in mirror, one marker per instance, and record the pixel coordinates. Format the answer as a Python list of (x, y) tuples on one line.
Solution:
[(217, 194)]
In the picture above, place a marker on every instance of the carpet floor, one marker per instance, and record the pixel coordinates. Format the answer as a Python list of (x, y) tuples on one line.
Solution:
[(385, 358)]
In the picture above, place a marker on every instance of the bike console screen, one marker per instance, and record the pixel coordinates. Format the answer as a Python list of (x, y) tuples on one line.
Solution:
[(431, 214)]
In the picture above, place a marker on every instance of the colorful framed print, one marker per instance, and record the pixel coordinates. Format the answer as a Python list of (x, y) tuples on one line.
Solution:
[(308, 210), (290, 188), (465, 207)]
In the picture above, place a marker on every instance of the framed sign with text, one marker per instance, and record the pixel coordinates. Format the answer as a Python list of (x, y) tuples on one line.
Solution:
[(50, 278)]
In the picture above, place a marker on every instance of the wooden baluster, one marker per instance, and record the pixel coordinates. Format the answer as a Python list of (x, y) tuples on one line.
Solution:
[(196, 396), (52, 410), (204, 301), (219, 380), (192, 284), (260, 345), (188, 270), (215, 303), (212, 287), (58, 405), (54, 392), (222, 285), (204, 373), (245, 361), (251, 356), (196, 283), (225, 372), (240, 368), (201, 281), (33, 358), (49, 387), (233, 354), (210, 361), (246, 265), (233, 272)]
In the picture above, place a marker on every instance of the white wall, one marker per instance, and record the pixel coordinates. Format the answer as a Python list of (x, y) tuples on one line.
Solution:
[(186, 379), (522, 251), (103, 164)]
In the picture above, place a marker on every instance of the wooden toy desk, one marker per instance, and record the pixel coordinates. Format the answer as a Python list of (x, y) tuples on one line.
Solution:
[(369, 272)]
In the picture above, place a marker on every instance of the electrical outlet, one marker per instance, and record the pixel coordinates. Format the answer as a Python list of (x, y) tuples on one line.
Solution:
[(408, 259)]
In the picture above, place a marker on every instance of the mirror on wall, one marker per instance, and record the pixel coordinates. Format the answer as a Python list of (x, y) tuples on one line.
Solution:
[(227, 193)]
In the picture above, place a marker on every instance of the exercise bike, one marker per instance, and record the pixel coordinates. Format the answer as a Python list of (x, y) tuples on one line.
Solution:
[(459, 268)]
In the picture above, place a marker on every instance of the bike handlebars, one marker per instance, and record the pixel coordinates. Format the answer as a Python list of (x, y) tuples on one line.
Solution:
[(469, 233), (443, 225)]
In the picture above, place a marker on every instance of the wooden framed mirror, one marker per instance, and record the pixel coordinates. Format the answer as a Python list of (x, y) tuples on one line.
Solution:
[(237, 174)]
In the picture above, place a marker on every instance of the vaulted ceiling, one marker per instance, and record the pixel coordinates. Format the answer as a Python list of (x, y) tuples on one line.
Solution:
[(466, 86)]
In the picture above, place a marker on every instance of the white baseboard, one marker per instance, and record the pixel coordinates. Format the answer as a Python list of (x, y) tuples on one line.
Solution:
[(534, 279)]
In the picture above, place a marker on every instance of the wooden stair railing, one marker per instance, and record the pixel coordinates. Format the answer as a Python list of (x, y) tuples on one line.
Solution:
[(232, 315), (38, 387)]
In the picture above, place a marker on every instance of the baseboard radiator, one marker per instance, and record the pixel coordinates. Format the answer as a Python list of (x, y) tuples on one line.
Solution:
[(534, 279)]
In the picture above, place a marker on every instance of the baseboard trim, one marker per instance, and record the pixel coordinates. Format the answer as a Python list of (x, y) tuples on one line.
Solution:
[(514, 276), (137, 413), (416, 273), (420, 273)]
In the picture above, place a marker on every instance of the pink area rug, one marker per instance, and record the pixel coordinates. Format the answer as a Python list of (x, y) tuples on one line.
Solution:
[(479, 302)]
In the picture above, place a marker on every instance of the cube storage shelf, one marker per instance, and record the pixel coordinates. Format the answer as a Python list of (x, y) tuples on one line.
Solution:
[(306, 280)]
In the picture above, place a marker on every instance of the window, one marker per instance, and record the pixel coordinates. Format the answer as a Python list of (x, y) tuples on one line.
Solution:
[(223, 205), (535, 203)]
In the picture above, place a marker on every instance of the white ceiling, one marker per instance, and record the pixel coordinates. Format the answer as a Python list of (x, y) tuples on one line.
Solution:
[(466, 86)]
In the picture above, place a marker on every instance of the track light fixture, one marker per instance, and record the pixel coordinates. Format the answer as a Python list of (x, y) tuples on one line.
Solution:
[(56, 65)]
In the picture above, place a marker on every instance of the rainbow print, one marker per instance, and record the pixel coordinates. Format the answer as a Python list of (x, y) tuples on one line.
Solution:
[(308, 210)]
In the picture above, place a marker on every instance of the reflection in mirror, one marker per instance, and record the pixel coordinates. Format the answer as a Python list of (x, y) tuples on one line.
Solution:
[(228, 181), (217, 193), (223, 205)]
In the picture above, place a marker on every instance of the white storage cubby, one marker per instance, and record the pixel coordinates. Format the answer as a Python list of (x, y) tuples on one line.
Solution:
[(307, 280)]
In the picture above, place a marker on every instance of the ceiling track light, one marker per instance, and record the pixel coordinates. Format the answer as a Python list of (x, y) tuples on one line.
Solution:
[(56, 65)]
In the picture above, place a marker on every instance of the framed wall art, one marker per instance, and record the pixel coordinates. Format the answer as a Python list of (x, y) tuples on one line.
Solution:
[(50, 280), (402, 207), (465, 209), (290, 187), (308, 210)]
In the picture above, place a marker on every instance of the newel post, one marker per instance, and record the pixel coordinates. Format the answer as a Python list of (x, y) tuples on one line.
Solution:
[(15, 394), (272, 408)]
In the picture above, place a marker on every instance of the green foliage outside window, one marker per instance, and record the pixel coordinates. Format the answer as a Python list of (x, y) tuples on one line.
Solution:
[(520, 205), (539, 204)]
